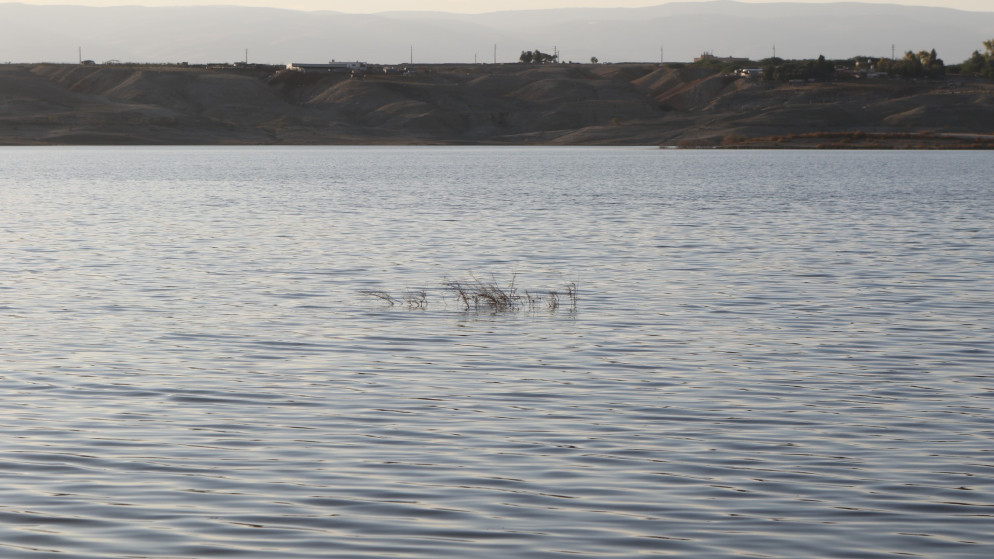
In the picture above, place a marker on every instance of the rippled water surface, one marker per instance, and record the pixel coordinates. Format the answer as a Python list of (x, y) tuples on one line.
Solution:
[(772, 354)]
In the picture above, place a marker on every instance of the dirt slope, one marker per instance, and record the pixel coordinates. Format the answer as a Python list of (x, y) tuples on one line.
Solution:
[(464, 104)]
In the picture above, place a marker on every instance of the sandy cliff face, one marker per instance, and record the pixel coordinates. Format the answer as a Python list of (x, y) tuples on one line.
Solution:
[(635, 104)]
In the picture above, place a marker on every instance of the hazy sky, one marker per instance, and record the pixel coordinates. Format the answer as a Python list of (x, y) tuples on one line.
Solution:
[(469, 6)]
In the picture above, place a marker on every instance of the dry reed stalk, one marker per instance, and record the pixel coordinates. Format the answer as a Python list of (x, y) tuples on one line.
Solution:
[(572, 294), (379, 294), (416, 299), (462, 293)]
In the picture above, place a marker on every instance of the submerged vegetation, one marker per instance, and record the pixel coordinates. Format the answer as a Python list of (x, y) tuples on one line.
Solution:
[(476, 294)]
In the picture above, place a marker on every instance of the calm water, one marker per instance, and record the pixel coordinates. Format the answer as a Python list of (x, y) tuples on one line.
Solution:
[(773, 354)]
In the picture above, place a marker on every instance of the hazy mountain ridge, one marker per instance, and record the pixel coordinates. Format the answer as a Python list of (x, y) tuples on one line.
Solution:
[(683, 30)]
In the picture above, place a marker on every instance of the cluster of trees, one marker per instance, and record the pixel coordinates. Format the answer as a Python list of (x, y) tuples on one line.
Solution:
[(723, 64), (980, 64), (538, 57), (921, 65), (924, 64), (777, 69)]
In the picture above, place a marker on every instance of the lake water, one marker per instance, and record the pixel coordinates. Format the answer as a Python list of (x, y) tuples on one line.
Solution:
[(772, 354)]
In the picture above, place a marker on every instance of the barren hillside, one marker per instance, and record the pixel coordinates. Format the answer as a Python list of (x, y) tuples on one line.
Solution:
[(635, 104)]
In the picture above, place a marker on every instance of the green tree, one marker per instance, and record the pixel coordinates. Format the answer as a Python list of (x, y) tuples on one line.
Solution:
[(976, 64), (923, 64), (981, 64), (775, 69), (545, 58), (823, 69), (724, 65), (934, 66), (538, 57)]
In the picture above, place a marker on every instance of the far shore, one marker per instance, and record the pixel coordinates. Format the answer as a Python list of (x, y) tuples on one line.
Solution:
[(463, 104)]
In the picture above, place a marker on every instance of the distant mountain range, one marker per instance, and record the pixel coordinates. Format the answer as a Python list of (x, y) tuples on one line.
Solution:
[(674, 32)]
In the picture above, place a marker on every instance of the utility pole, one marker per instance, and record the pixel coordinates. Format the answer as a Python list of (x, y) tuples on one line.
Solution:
[(892, 57), (246, 57), (80, 56), (661, 55), (495, 53), (774, 50)]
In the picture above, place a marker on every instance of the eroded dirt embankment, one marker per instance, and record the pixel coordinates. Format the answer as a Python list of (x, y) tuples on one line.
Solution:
[(631, 104)]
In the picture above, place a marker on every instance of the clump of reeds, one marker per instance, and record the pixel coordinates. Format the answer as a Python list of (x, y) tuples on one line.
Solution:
[(416, 298), (477, 294), (555, 299)]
